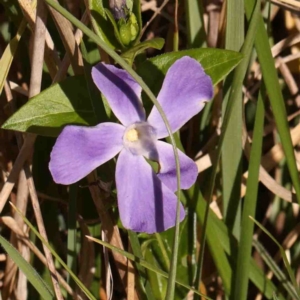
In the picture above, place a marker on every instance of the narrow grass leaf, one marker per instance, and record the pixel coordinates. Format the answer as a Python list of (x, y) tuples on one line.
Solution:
[(249, 207), (136, 249), (282, 252), (194, 13), (273, 265), (72, 234), (219, 256), (74, 277), (144, 263), (270, 78), (33, 277), (232, 145)]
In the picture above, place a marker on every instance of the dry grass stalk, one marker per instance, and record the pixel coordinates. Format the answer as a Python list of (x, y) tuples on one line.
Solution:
[(35, 88), (65, 30), (51, 56), (12, 225), (110, 229), (61, 74), (290, 81)]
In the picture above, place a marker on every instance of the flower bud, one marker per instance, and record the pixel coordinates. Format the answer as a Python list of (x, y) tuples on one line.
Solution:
[(125, 33), (134, 27), (118, 9)]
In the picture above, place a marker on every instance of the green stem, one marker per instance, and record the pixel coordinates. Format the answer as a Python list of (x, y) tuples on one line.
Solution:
[(72, 235), (163, 250)]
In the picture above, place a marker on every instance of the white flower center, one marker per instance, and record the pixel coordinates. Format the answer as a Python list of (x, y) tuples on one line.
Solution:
[(139, 138)]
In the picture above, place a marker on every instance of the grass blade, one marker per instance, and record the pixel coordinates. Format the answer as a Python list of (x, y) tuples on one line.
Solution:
[(195, 23), (232, 145), (74, 277), (249, 208), (30, 273), (136, 249), (72, 234), (275, 269), (285, 259), (274, 91)]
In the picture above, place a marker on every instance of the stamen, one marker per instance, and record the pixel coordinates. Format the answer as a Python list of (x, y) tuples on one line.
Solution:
[(139, 138), (132, 135)]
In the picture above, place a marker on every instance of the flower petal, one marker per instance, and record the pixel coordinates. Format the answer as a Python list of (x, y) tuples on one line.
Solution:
[(167, 173), (145, 203), (185, 90), (79, 150), (121, 91)]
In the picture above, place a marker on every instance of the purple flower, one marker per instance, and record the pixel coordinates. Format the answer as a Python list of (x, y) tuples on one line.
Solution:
[(146, 200)]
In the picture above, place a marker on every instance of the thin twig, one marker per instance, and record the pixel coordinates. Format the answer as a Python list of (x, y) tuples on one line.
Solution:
[(63, 68), (51, 56), (42, 230), (21, 204), (66, 32), (157, 12), (13, 175), (35, 88), (13, 226), (290, 81)]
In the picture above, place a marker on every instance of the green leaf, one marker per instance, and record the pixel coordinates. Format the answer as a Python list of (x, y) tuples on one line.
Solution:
[(101, 24), (216, 63), (55, 107), (8, 54), (30, 273), (156, 43)]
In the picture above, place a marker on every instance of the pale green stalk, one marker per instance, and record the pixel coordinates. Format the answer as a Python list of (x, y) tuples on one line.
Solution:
[(163, 250)]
